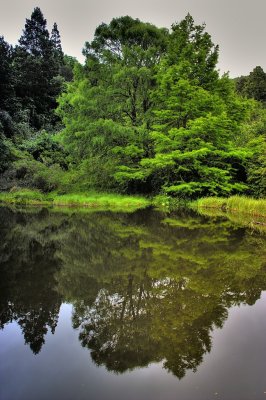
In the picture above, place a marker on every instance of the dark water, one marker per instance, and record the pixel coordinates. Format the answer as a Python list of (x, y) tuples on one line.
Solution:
[(130, 306)]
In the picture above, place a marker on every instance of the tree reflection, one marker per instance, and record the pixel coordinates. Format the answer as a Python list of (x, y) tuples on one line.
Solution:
[(27, 286), (144, 287), (162, 286)]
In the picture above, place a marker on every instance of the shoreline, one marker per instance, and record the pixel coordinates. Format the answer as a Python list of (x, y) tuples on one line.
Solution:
[(99, 201), (237, 205)]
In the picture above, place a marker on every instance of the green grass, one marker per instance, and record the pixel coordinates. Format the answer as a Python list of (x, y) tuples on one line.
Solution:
[(103, 201), (239, 204), (241, 210)]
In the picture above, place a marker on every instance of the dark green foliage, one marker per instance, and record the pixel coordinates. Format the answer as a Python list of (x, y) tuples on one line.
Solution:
[(8, 101), (6, 76), (32, 75), (253, 85), (35, 38), (37, 62), (5, 153), (32, 174), (56, 42), (45, 149), (67, 67), (257, 167)]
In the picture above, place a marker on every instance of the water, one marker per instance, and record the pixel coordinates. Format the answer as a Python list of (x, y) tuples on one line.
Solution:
[(130, 306)]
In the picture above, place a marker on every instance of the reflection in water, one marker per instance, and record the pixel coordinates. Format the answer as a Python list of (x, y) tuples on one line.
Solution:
[(27, 267), (144, 287)]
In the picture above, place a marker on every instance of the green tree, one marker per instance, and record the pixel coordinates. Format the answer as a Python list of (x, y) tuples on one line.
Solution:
[(6, 75), (67, 67), (5, 152), (35, 39), (149, 113), (8, 101), (192, 45), (108, 106), (256, 167), (196, 117), (256, 84), (37, 68), (129, 50), (56, 42), (253, 85)]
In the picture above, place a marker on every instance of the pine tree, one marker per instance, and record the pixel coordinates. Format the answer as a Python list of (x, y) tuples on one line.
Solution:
[(36, 69), (56, 42), (8, 103), (35, 38), (5, 74)]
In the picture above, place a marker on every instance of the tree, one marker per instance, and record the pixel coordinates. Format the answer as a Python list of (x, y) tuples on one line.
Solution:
[(35, 39), (256, 167), (165, 285), (132, 49), (8, 102), (34, 273), (57, 48), (36, 62), (149, 113), (256, 85), (56, 40), (253, 85), (112, 92), (196, 115), (6, 75), (191, 45), (5, 153)]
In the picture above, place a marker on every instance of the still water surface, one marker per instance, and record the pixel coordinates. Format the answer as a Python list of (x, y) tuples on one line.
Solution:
[(130, 306)]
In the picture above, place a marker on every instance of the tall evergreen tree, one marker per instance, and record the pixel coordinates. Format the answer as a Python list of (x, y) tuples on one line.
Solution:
[(35, 38), (8, 102), (5, 74), (58, 56), (56, 41), (36, 69)]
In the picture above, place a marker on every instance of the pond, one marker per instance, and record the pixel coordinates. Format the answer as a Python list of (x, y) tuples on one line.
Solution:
[(145, 305)]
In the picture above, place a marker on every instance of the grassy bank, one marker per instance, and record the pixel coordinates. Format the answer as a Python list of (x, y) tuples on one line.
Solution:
[(234, 204), (100, 201)]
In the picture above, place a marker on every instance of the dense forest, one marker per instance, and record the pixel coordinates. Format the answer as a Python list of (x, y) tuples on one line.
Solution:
[(147, 113)]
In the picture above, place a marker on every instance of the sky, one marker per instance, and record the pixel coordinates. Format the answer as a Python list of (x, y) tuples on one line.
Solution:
[(237, 26)]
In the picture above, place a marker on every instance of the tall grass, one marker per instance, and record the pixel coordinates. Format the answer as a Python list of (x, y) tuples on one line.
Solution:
[(92, 200), (239, 204)]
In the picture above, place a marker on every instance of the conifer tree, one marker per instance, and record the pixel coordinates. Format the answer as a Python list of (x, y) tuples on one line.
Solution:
[(5, 73), (35, 38), (8, 102), (36, 69), (56, 42)]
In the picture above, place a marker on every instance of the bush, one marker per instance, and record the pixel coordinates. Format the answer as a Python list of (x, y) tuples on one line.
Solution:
[(36, 175), (44, 148), (5, 153), (257, 168)]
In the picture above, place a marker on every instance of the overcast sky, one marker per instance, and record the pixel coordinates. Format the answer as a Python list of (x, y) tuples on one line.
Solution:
[(238, 26)]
